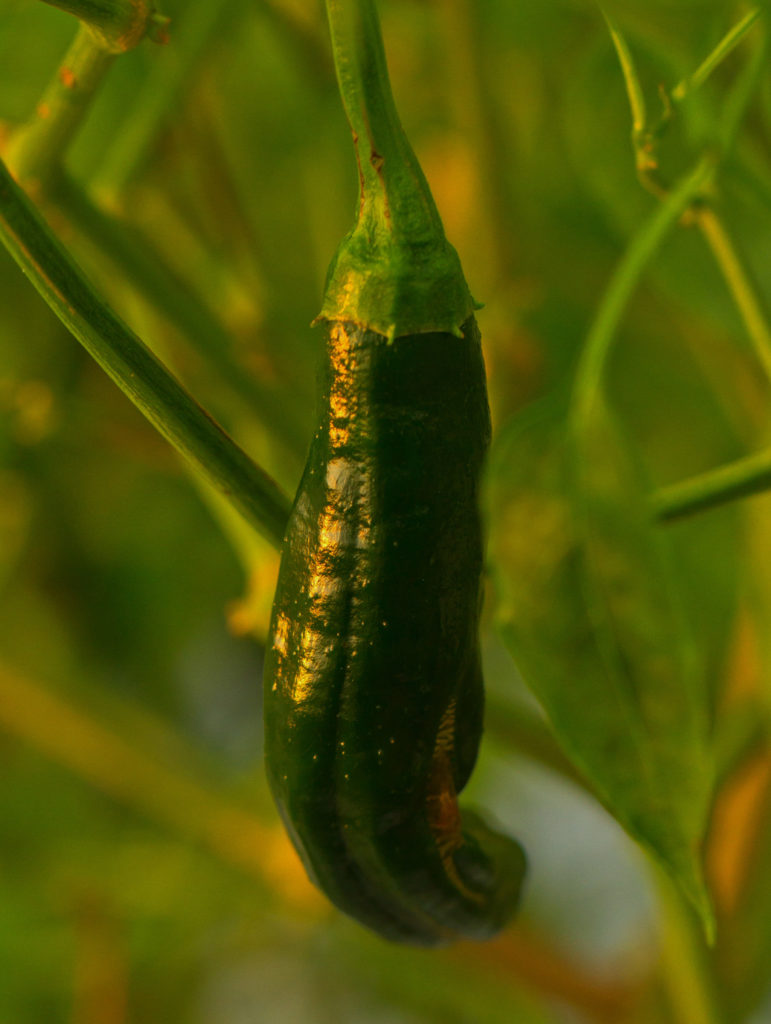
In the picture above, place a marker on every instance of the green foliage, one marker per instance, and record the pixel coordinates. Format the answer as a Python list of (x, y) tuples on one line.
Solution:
[(145, 875), (589, 604)]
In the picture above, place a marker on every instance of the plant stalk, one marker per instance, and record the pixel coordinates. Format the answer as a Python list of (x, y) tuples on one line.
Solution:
[(395, 273), (750, 475), (118, 25), (740, 479), (739, 284), (625, 279), (131, 365), (390, 201), (728, 43), (35, 151)]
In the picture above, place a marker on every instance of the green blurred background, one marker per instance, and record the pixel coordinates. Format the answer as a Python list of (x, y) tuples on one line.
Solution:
[(144, 876)]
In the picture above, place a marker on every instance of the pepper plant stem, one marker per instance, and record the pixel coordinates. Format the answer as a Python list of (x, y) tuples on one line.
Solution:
[(739, 283), (750, 475), (712, 228), (35, 151), (718, 54), (395, 272), (641, 142), (740, 479), (633, 85), (625, 279), (385, 157), (131, 365), (117, 24)]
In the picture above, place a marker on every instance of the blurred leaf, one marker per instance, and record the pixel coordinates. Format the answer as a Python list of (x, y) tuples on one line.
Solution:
[(589, 612), (688, 400), (632, 586)]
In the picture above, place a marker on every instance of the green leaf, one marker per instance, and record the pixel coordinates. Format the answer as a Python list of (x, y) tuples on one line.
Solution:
[(589, 608), (635, 599)]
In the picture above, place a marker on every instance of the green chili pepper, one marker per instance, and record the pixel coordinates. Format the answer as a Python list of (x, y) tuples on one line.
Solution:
[(373, 685)]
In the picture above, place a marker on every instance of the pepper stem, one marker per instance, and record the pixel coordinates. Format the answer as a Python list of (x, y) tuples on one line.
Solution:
[(394, 195), (395, 272)]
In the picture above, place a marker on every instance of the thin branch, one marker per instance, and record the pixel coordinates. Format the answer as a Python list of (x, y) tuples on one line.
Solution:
[(632, 81), (739, 282), (118, 25), (645, 135), (626, 278), (643, 140), (750, 475), (130, 364), (741, 479), (36, 149), (107, 28), (728, 43), (742, 91)]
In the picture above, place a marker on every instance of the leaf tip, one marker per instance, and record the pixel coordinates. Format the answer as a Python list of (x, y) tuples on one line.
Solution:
[(689, 880)]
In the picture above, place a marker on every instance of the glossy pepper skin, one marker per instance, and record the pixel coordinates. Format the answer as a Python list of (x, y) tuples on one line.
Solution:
[(373, 687)]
